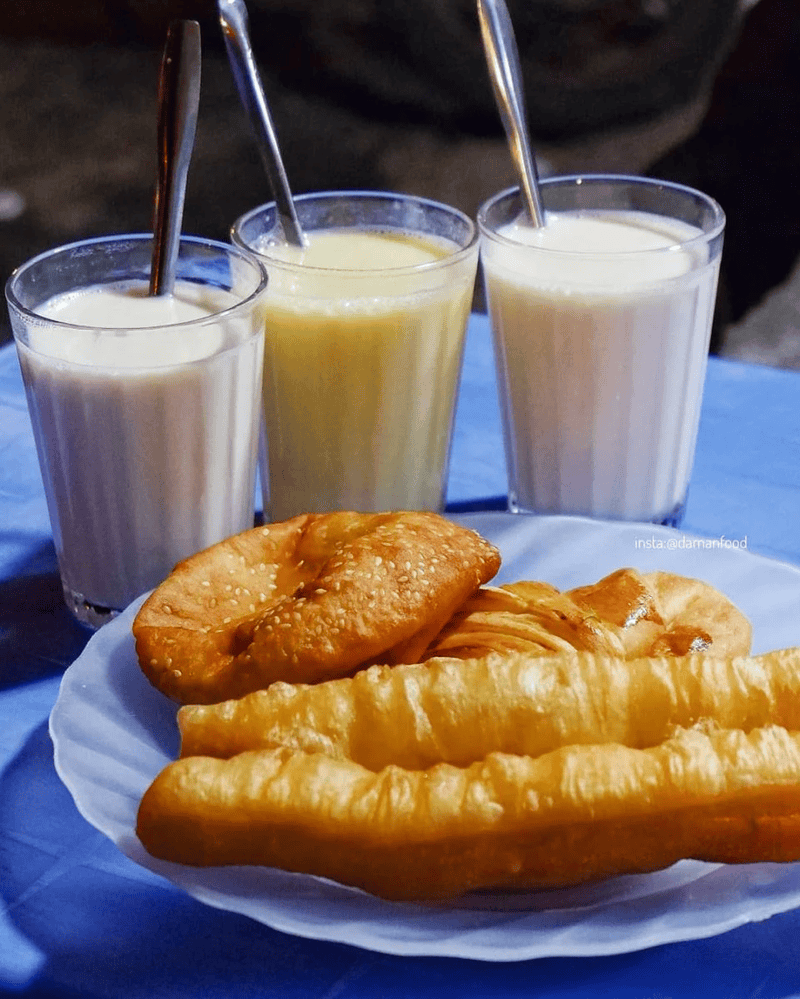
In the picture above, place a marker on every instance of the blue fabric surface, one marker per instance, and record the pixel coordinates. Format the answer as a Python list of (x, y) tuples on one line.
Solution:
[(78, 919)]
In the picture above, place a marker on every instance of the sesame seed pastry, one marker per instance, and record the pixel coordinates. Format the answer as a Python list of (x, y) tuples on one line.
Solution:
[(305, 600)]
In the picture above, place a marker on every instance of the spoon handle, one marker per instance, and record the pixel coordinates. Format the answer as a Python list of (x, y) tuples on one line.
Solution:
[(233, 19), (178, 101), (504, 69)]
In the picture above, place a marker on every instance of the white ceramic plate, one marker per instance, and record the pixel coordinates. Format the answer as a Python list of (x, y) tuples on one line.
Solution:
[(113, 732)]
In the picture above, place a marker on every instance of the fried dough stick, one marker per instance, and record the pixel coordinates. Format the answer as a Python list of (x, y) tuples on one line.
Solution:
[(458, 711), (573, 815)]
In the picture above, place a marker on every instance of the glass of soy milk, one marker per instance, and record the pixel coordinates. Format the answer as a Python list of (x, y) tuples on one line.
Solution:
[(145, 410), (365, 330), (601, 322)]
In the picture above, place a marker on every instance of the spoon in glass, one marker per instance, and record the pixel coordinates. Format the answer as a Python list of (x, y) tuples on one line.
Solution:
[(233, 18), (502, 59), (178, 101)]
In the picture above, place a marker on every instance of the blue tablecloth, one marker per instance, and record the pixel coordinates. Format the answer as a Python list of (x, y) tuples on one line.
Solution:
[(78, 919)]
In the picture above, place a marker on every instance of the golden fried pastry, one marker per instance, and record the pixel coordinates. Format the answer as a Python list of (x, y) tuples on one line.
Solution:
[(573, 815), (311, 598), (547, 739), (697, 616), (624, 614), (458, 711)]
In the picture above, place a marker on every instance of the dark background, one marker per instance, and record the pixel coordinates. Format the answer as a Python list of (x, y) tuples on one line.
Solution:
[(394, 94)]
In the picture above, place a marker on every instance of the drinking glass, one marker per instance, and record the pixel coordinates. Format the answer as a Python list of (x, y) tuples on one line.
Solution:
[(601, 323), (363, 348), (145, 410)]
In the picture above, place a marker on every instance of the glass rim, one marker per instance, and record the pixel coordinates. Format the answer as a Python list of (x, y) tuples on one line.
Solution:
[(361, 195), (715, 229), (241, 253)]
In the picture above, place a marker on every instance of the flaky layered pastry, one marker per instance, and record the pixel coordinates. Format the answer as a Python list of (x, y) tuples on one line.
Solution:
[(572, 815), (626, 613), (454, 711), (315, 597)]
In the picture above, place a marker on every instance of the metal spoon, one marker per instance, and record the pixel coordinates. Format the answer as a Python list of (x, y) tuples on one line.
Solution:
[(503, 61), (233, 18), (178, 100)]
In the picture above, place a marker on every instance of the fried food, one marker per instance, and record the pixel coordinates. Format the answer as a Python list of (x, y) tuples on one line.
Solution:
[(626, 613), (458, 712), (547, 739), (572, 815), (315, 597)]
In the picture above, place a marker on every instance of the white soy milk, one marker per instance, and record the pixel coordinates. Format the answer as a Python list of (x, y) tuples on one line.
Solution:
[(601, 324), (364, 336), (150, 432)]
